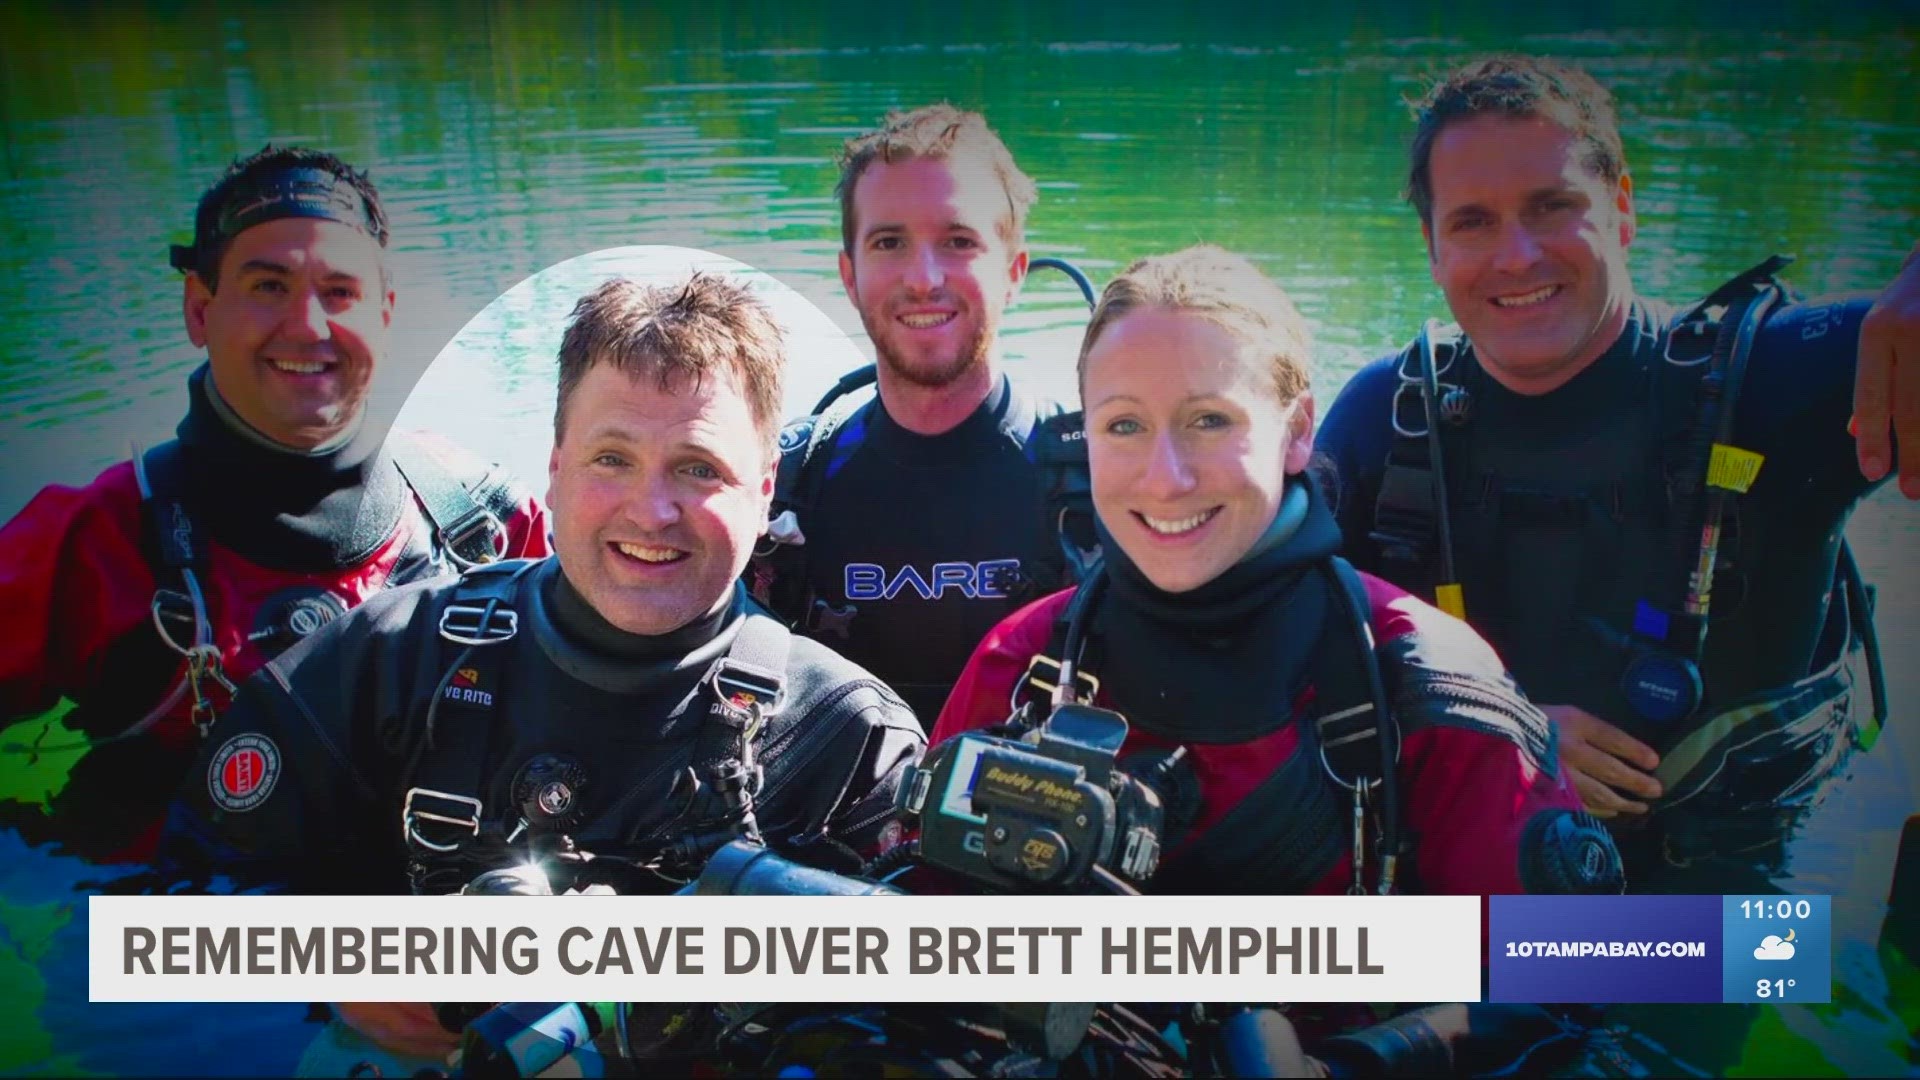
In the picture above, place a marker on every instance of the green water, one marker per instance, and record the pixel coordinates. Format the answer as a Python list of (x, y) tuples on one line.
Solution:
[(508, 140)]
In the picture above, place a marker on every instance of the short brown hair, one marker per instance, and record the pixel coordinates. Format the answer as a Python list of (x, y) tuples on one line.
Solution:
[(689, 330), (1225, 289), (1519, 87), (940, 132)]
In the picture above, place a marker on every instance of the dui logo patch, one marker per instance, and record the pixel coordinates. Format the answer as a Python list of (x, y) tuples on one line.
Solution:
[(243, 772)]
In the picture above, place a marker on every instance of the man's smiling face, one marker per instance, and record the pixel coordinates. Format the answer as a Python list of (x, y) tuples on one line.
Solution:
[(1529, 244)]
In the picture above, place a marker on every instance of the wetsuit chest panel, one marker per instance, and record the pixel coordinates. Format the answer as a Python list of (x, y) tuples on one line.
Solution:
[(1267, 821), (628, 745), (1557, 534), (920, 558), (631, 746)]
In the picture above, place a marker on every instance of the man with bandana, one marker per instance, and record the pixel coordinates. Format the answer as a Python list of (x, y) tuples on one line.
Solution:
[(140, 600)]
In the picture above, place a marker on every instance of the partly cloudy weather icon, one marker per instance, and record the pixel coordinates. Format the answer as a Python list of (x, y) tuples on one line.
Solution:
[(1774, 947)]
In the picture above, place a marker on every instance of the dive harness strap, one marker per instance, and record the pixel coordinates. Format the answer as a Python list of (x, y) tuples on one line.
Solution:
[(717, 789), (1661, 679), (780, 567), (1412, 523), (465, 521), (1352, 728), (469, 529), (443, 816), (1411, 528), (1059, 447), (177, 553)]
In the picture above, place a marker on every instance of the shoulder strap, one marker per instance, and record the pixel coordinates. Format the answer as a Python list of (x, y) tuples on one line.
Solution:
[(1359, 741), (779, 568), (467, 521), (747, 685), (1019, 417), (803, 456), (1058, 446), (178, 553), (441, 813), (753, 673), (1413, 529), (1714, 469), (1349, 721), (172, 541), (1072, 653)]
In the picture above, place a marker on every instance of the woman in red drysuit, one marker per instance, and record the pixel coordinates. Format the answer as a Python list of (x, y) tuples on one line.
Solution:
[(1225, 630)]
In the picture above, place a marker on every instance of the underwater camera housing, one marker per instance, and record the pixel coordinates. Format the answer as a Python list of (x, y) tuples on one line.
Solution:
[(1045, 811)]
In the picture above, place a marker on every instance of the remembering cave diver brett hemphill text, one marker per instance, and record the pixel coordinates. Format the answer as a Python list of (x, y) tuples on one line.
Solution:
[(837, 950)]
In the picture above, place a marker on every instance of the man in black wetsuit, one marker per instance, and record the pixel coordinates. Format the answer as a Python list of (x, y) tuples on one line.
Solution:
[(611, 715), (910, 522), (1562, 464), (623, 699)]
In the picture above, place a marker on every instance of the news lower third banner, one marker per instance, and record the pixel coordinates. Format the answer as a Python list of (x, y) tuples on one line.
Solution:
[(1769, 949), (784, 948)]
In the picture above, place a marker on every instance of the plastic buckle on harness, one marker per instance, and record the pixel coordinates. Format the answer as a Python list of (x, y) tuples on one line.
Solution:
[(455, 537), (1694, 337), (751, 690), (1335, 730), (411, 816), (471, 624), (1090, 682)]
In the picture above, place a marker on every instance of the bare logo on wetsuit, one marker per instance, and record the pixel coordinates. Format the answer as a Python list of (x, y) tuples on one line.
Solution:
[(975, 581)]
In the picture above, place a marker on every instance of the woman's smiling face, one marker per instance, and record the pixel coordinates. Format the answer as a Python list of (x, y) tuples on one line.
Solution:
[(1189, 443)]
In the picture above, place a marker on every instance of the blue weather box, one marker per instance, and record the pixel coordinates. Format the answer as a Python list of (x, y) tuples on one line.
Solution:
[(1779, 948), (1660, 949)]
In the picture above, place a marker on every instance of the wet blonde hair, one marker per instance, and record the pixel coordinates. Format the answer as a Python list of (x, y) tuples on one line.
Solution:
[(1226, 290), (940, 132)]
